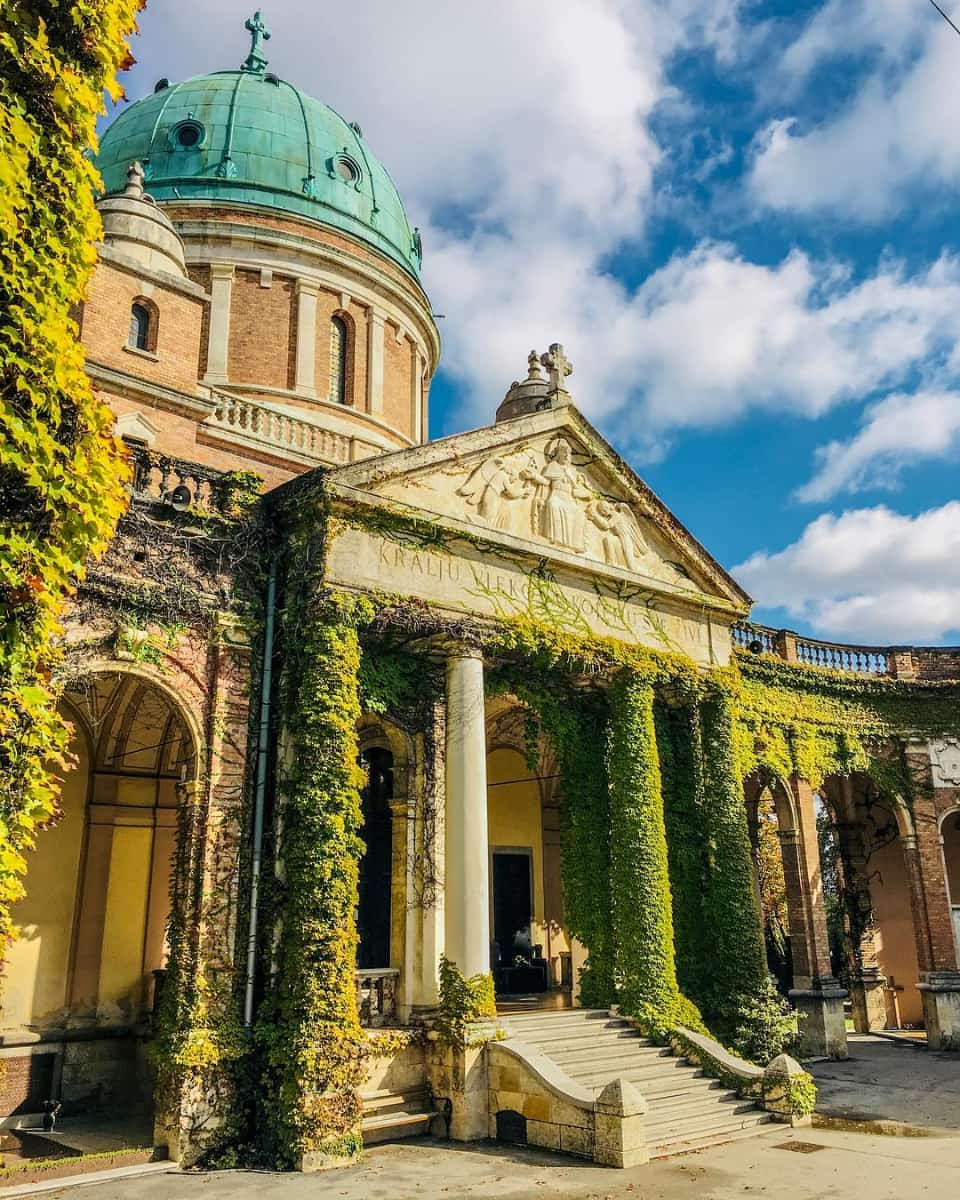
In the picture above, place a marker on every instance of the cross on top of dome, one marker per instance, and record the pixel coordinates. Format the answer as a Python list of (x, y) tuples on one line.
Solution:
[(256, 60)]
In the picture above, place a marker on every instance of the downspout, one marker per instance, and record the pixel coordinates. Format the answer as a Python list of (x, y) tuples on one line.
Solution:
[(261, 792)]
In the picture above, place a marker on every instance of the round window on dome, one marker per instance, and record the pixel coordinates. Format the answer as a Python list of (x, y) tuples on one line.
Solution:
[(187, 135), (347, 169)]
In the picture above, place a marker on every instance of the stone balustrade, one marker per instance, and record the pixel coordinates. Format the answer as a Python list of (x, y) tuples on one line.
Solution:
[(897, 662), (377, 996), (163, 479), (253, 423)]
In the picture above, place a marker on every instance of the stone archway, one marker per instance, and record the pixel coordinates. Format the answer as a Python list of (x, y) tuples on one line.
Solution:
[(92, 946)]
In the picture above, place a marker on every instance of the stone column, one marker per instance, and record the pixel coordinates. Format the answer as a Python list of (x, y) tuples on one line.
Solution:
[(939, 984), (816, 994), (306, 365), (375, 327), (466, 861), (218, 333)]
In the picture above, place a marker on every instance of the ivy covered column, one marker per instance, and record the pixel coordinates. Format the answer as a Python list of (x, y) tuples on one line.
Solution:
[(467, 857), (736, 968), (644, 967), (309, 1026)]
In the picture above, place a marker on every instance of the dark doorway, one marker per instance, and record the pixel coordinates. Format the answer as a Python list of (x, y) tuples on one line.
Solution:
[(517, 966), (376, 865)]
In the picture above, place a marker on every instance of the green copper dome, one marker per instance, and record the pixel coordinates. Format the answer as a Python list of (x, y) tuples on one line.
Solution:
[(248, 137)]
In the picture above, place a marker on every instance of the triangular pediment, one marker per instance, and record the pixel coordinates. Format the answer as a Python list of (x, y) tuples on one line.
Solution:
[(546, 484)]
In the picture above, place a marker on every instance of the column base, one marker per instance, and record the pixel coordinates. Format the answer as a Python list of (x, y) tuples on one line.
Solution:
[(823, 1030), (940, 994), (868, 999)]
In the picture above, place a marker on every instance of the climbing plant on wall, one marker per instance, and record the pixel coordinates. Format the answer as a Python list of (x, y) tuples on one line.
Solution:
[(61, 476), (308, 1028)]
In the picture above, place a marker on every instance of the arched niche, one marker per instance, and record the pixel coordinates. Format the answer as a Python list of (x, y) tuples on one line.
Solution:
[(95, 914)]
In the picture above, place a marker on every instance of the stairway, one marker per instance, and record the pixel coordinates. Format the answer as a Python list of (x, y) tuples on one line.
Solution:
[(388, 1116), (686, 1110)]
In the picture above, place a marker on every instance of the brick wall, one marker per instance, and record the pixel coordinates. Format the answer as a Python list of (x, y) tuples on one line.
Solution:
[(396, 381), (263, 331), (105, 328)]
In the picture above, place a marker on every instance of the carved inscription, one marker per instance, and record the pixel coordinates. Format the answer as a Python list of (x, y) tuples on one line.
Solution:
[(488, 587)]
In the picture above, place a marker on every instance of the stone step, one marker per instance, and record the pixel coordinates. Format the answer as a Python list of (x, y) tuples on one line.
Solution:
[(650, 1071), (707, 1128), (623, 1054), (562, 1016), (705, 1141), (577, 1037), (695, 1090), (611, 1065), (530, 1033), (600, 1045), (678, 1117), (391, 1126)]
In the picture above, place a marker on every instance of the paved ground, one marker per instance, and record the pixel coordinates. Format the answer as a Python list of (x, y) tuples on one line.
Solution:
[(891, 1081), (847, 1166)]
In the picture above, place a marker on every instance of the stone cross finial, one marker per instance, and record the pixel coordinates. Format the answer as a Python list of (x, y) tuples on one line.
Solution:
[(256, 60), (558, 367), (135, 177)]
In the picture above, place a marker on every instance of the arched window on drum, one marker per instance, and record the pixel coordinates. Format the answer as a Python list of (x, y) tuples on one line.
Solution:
[(339, 337)]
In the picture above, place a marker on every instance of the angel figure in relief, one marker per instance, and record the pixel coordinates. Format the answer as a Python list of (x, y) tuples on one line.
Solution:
[(621, 540), (557, 514), (488, 487)]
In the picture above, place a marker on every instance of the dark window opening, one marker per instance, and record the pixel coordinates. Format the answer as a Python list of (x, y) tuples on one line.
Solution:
[(139, 327), (376, 865), (338, 361)]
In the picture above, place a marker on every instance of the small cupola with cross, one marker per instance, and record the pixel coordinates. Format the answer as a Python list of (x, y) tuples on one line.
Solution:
[(536, 393)]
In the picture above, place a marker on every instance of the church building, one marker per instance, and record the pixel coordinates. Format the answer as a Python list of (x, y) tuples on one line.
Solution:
[(426, 786)]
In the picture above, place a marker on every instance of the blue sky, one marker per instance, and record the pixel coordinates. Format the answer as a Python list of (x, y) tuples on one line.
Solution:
[(740, 217)]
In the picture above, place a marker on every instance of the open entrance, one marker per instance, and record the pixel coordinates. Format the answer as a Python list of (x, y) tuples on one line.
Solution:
[(376, 865), (518, 964), (525, 908)]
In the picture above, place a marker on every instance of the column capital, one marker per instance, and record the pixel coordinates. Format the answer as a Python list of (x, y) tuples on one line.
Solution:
[(454, 648), (307, 287), (376, 316), (222, 270)]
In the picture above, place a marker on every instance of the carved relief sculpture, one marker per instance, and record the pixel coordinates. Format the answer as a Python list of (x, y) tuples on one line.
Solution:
[(945, 761), (556, 516), (547, 496), (621, 541), (489, 486)]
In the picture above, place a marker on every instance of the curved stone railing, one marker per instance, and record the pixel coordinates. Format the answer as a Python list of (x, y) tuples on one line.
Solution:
[(898, 662), (252, 423)]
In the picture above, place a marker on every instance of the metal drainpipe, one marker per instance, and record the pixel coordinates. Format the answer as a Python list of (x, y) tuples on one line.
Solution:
[(262, 754)]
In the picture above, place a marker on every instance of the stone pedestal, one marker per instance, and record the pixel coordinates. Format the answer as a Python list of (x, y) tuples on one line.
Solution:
[(823, 1032), (940, 993), (869, 1003), (459, 1085), (620, 1139)]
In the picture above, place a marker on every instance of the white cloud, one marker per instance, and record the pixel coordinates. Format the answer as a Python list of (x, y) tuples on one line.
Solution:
[(897, 432), (870, 575), (521, 143), (893, 137)]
